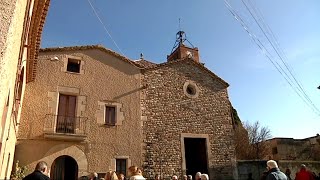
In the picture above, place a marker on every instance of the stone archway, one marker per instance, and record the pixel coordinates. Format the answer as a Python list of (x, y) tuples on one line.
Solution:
[(74, 152), (64, 168)]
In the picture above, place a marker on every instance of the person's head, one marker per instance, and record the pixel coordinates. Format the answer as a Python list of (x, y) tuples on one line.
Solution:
[(157, 177), (185, 177), (303, 167), (113, 176), (121, 176), (108, 175), (174, 177), (93, 175), (133, 170), (42, 167), (139, 171), (189, 177), (272, 164), (198, 175), (204, 177)]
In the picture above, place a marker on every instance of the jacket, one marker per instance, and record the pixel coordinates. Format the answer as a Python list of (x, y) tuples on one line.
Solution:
[(304, 175), (276, 174), (36, 175)]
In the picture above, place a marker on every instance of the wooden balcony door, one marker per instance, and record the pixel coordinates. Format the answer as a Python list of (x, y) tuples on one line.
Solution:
[(66, 119)]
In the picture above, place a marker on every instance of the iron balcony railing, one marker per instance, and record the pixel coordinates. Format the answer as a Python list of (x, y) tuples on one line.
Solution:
[(65, 124)]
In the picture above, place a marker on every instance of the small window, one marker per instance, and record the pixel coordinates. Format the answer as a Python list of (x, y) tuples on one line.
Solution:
[(110, 115), (74, 65), (121, 166)]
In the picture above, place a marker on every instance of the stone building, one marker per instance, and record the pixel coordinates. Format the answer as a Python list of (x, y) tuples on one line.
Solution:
[(83, 113), (187, 121), (21, 25), (95, 110), (307, 149)]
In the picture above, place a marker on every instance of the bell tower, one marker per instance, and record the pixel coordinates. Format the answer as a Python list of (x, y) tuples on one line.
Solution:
[(181, 51)]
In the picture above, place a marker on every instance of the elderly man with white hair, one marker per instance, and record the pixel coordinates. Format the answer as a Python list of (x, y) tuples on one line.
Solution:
[(198, 176), (204, 177), (274, 172)]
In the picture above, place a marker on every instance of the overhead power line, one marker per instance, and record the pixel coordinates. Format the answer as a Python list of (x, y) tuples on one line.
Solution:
[(276, 47), (104, 27), (286, 72)]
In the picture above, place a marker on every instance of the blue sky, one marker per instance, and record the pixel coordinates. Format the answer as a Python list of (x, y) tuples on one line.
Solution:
[(257, 90)]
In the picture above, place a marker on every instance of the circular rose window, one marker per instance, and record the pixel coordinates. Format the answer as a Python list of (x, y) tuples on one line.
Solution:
[(190, 89)]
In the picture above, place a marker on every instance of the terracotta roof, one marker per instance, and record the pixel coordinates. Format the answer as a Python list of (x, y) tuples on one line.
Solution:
[(188, 61), (144, 63), (99, 47), (39, 14)]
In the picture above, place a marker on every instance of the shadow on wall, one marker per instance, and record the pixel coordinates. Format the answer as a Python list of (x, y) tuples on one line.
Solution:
[(43, 150)]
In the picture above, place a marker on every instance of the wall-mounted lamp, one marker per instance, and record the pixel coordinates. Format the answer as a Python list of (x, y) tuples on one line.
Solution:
[(53, 59), (318, 87)]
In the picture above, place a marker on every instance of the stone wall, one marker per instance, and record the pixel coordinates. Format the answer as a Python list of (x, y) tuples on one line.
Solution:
[(258, 167), (168, 114)]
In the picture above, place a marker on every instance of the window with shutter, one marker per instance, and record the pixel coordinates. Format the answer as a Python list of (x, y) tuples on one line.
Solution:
[(110, 115), (66, 119)]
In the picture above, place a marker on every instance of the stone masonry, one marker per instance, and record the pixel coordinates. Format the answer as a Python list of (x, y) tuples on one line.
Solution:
[(169, 114)]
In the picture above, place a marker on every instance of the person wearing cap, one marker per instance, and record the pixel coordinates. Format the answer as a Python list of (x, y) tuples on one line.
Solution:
[(303, 174), (274, 172)]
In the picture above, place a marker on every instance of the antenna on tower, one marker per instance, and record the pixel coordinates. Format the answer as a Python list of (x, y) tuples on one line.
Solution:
[(180, 38)]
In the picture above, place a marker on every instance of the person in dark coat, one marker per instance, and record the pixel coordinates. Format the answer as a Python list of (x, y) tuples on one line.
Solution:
[(274, 172), (40, 173), (288, 174)]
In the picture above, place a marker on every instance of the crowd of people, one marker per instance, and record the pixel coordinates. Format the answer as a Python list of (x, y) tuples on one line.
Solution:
[(135, 173), (42, 172), (273, 172)]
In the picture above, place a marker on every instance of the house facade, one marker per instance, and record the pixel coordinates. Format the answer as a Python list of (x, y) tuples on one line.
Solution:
[(21, 25), (83, 113)]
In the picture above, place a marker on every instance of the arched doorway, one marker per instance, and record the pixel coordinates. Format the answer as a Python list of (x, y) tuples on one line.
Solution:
[(64, 168)]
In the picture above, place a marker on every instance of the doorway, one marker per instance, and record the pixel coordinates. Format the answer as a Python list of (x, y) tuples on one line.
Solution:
[(196, 155), (64, 168)]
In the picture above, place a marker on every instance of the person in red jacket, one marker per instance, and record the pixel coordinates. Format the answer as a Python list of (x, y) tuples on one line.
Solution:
[(303, 174)]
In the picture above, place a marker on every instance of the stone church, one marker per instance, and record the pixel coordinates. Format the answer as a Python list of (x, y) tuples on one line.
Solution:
[(91, 109)]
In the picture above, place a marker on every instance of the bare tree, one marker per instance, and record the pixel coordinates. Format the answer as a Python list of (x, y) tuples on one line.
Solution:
[(250, 140), (257, 136)]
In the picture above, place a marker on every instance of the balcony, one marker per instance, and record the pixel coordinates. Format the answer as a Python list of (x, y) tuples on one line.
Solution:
[(65, 128)]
